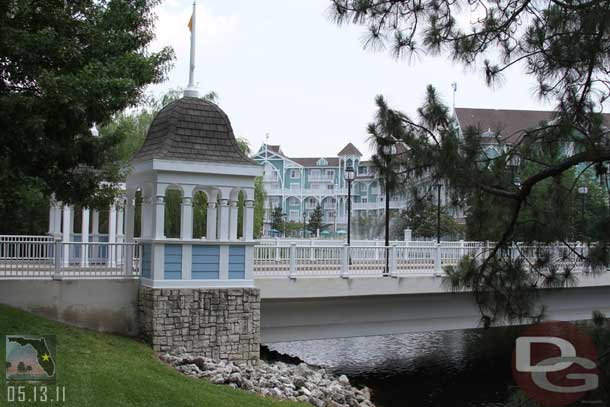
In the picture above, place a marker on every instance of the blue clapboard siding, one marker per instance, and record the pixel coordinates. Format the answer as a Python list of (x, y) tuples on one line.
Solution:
[(206, 263), (146, 260), (173, 262), (237, 262)]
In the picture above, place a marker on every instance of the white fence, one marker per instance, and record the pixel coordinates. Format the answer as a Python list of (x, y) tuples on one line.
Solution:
[(321, 258), (43, 257)]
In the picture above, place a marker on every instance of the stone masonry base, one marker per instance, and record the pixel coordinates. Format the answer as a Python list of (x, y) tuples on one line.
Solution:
[(218, 323)]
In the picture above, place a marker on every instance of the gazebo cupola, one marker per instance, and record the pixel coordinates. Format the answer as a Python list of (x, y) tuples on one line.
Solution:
[(190, 147)]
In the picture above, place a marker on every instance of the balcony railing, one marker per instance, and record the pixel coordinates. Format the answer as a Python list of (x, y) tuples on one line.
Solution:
[(307, 191), (321, 178)]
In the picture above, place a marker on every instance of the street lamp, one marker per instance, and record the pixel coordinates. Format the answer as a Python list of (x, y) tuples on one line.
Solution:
[(304, 220), (349, 177), (514, 161), (438, 212), (517, 181)]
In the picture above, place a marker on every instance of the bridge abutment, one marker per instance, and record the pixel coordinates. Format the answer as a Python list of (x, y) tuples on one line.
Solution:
[(219, 323)]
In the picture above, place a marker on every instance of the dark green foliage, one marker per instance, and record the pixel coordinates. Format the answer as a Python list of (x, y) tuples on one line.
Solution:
[(421, 218), (200, 207), (315, 221), (173, 201), (278, 219), (63, 67), (259, 207), (25, 209)]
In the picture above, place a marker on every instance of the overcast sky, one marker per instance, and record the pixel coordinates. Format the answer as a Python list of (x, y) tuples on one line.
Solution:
[(282, 67)]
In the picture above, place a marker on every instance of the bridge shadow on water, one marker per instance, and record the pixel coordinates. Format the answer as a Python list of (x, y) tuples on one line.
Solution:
[(454, 368)]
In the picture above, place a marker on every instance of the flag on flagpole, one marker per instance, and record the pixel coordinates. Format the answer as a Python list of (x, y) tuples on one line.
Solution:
[(191, 23)]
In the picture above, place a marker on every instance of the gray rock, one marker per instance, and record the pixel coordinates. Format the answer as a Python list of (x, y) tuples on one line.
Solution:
[(344, 380), (279, 380)]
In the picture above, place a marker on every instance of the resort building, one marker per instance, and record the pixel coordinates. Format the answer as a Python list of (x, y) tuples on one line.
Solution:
[(299, 184)]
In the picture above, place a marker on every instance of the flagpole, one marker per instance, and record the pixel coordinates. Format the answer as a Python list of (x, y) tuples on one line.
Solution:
[(191, 90)]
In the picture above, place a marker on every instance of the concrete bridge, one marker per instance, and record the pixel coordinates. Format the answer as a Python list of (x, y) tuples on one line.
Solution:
[(308, 290)]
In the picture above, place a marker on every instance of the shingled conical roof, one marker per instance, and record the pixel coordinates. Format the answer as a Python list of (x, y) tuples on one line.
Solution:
[(192, 129)]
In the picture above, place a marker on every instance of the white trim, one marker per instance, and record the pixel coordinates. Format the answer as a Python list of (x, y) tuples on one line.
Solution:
[(195, 242), (197, 283), (199, 167)]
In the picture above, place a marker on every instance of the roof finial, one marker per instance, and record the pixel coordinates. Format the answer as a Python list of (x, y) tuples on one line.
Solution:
[(191, 90), (266, 138)]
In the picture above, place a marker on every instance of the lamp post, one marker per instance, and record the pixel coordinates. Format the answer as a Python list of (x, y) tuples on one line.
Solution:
[(583, 190), (438, 212), (349, 177), (389, 151), (304, 220)]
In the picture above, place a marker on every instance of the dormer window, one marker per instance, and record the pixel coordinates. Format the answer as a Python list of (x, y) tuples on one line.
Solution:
[(322, 162)]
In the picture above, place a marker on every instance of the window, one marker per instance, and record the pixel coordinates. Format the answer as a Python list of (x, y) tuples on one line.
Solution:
[(293, 215), (330, 174), (364, 199), (374, 189), (315, 173), (330, 186), (362, 170), (294, 173), (322, 162)]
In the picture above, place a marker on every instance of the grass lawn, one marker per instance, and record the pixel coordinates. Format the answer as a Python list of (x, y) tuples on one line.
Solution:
[(106, 370)]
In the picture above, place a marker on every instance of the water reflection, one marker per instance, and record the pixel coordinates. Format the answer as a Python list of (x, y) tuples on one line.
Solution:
[(457, 368)]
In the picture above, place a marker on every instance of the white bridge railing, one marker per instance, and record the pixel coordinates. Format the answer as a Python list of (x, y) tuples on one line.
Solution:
[(44, 257), (411, 258)]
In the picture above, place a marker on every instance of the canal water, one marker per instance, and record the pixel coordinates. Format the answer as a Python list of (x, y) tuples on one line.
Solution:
[(457, 368)]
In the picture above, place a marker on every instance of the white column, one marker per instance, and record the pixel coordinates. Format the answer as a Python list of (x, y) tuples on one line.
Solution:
[(223, 223), (186, 218), (248, 220), (129, 231), (211, 221), (66, 234), (120, 216), (84, 251), (233, 215), (130, 212), (112, 235), (95, 225), (57, 219), (408, 235), (159, 217), (146, 220), (120, 232), (51, 217)]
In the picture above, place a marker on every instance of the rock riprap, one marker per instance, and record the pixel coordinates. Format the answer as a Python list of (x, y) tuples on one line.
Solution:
[(279, 380)]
